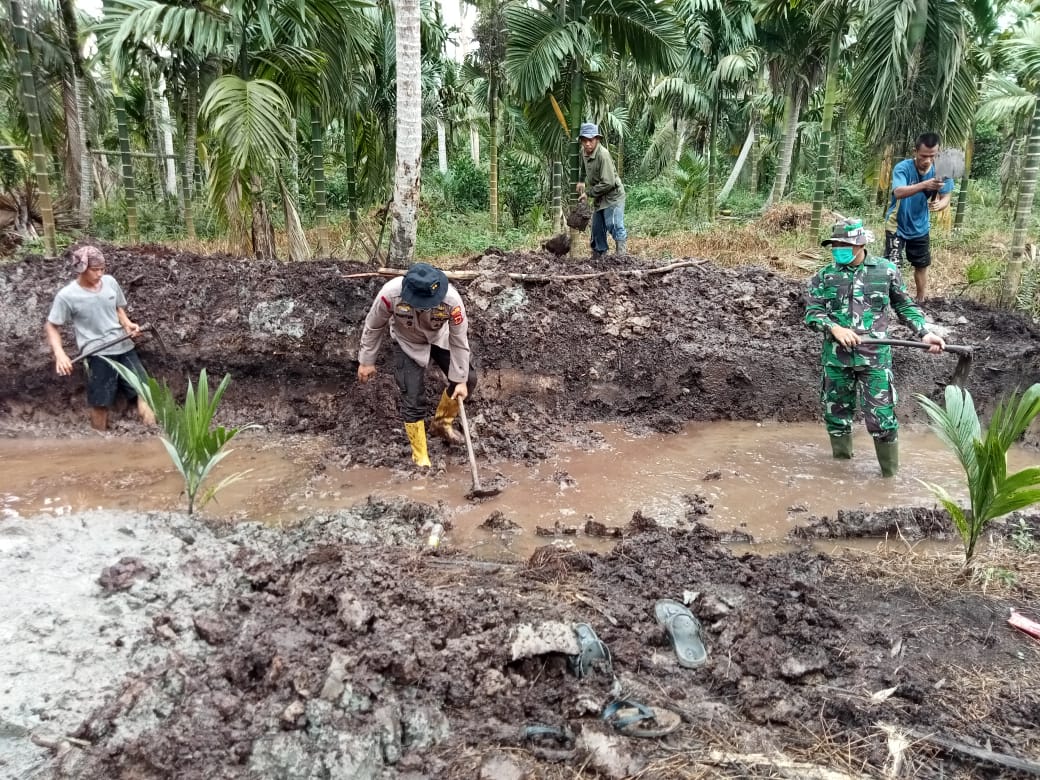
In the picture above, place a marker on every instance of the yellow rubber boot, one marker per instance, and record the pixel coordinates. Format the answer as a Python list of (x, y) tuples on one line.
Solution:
[(444, 419), (417, 437)]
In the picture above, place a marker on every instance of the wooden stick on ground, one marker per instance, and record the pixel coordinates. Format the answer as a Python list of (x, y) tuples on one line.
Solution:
[(516, 277), (1000, 759)]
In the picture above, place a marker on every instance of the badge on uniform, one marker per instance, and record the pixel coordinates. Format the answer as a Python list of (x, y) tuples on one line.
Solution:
[(456, 315)]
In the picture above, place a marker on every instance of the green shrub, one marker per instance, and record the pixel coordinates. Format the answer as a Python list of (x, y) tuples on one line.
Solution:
[(466, 186), (658, 195), (521, 189)]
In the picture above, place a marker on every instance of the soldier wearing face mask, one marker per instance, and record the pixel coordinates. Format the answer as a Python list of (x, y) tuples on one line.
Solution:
[(851, 299)]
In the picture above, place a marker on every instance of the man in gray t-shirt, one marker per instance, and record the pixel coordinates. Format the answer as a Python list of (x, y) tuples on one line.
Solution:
[(94, 305)]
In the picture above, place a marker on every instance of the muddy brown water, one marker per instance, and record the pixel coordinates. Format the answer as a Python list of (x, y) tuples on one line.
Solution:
[(760, 479)]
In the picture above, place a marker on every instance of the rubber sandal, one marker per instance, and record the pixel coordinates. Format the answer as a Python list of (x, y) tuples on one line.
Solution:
[(592, 652), (638, 720), (684, 632)]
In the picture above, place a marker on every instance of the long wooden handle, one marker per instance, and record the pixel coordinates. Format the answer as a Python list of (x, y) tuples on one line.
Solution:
[(108, 344), (956, 349), (469, 445)]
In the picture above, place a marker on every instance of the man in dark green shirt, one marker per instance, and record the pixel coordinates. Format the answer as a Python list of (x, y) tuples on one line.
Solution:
[(607, 191), (849, 301)]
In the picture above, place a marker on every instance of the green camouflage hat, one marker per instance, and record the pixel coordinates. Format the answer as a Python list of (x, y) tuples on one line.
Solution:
[(848, 231)]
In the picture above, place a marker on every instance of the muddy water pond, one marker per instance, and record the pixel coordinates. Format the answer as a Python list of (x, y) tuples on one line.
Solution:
[(761, 479)]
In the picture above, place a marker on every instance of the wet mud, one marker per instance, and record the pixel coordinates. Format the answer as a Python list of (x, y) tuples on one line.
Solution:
[(651, 351), (342, 648)]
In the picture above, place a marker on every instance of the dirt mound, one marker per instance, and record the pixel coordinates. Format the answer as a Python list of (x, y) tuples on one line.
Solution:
[(786, 218), (316, 665), (697, 343)]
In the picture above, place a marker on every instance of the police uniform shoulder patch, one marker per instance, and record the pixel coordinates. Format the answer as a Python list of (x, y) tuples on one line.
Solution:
[(403, 309), (456, 315)]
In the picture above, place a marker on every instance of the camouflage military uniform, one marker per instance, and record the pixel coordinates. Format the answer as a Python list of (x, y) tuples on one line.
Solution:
[(860, 298)]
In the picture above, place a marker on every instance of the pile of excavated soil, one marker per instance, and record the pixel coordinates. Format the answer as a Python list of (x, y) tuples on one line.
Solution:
[(652, 350), (336, 649)]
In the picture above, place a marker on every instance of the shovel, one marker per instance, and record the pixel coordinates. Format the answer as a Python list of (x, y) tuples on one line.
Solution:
[(965, 355), (124, 337), (476, 491)]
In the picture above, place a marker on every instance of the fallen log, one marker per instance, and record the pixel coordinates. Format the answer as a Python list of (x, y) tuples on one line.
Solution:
[(518, 277)]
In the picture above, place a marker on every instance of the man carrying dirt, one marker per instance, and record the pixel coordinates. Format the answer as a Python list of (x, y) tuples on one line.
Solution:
[(916, 192), (607, 191), (849, 301), (426, 319), (94, 304)]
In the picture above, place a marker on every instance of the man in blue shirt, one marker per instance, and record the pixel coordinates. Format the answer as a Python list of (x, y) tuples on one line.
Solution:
[(916, 192)]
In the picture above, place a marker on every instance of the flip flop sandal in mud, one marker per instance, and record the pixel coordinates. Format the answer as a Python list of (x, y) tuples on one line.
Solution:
[(548, 742), (684, 632), (638, 720), (592, 652)]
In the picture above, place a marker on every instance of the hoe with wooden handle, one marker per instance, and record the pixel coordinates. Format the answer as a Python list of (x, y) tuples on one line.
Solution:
[(965, 355), (476, 491)]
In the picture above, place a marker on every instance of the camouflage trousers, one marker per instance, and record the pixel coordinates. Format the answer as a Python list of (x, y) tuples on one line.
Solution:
[(877, 395)]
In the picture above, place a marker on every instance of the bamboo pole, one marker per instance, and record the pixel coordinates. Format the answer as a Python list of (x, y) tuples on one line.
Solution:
[(32, 117), (129, 191)]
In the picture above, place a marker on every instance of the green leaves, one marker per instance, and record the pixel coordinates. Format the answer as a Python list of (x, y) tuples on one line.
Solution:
[(193, 446), (992, 491), (251, 121)]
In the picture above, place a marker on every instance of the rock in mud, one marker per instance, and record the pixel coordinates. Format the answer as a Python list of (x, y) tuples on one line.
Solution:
[(122, 575), (549, 637)]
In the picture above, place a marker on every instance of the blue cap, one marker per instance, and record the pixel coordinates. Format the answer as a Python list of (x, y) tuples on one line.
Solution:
[(589, 130), (424, 286)]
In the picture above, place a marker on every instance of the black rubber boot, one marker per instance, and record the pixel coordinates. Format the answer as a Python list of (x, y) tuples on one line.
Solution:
[(841, 446), (887, 457)]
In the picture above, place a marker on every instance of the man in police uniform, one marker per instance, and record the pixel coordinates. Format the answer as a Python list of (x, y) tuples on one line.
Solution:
[(427, 320), (849, 300)]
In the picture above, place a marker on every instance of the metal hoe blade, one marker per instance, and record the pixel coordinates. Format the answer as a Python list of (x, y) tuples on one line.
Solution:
[(949, 164)]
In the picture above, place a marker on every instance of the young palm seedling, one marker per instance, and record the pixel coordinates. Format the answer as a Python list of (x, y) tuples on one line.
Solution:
[(194, 447), (992, 491)]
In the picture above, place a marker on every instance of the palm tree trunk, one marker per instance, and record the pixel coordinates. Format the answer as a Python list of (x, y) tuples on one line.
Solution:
[(166, 139), (188, 163), (84, 189), (557, 199), (493, 149), (32, 117), (1023, 212), (262, 230), (318, 180), (72, 160), (738, 166), (712, 129), (409, 135), (962, 195), (297, 238), (350, 163), (823, 161), (442, 147), (792, 105), (129, 191), (156, 130)]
